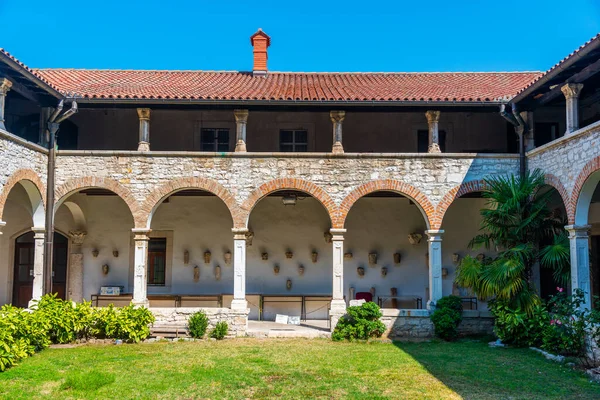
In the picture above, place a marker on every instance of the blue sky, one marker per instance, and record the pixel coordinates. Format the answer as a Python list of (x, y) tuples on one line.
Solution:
[(307, 35)]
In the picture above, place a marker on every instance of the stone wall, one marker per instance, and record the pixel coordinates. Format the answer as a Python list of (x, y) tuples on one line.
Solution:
[(242, 179), (20, 160), (568, 162), (236, 320), (417, 323)]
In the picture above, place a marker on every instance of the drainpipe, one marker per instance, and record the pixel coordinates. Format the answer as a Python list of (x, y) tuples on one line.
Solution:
[(53, 126), (517, 121)]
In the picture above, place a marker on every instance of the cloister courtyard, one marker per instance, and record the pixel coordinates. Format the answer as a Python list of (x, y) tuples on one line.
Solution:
[(294, 368)]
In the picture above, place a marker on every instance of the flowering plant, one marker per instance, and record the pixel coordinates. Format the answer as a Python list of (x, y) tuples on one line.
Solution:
[(566, 332)]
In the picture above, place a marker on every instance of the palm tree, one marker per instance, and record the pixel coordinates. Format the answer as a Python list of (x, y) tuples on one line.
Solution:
[(519, 225)]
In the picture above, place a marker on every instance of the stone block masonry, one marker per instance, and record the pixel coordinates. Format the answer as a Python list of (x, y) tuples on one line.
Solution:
[(236, 320)]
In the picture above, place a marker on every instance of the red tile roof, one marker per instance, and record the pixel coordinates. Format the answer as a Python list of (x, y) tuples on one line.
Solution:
[(461, 87)]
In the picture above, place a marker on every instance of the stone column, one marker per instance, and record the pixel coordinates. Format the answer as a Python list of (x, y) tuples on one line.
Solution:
[(338, 304), (337, 117), (571, 92), (435, 267), (239, 270), (580, 260), (140, 266), (433, 119), (144, 115), (76, 266), (241, 119), (5, 86), (38, 264)]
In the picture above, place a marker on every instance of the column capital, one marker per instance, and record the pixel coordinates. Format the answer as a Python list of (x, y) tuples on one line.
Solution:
[(240, 234), (5, 85), (2, 225), (337, 116), (337, 235), (141, 234), (143, 113), (39, 232), (435, 235), (432, 116), (572, 90), (578, 231), (77, 237), (241, 116)]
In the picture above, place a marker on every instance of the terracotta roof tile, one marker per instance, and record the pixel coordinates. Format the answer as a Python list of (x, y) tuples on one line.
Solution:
[(287, 86)]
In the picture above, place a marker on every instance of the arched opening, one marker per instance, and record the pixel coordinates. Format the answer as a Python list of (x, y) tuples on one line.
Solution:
[(23, 272), (190, 252), (99, 223), (289, 261), (386, 251), (23, 210)]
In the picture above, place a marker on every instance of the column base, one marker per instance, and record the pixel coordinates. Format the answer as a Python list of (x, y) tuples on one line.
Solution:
[(239, 304), (240, 147), (434, 148), (141, 303), (143, 146), (337, 148), (338, 307), (431, 305)]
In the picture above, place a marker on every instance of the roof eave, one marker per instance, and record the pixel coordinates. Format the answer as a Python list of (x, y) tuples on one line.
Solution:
[(23, 71)]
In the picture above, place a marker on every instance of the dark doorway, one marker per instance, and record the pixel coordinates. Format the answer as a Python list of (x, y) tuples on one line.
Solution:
[(23, 268)]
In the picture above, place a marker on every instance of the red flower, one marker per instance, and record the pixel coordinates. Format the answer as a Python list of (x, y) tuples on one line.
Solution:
[(559, 289)]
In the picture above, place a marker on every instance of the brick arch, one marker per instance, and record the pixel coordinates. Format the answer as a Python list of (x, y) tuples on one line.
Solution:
[(405, 189), (74, 185), (453, 194), (554, 181), (155, 198), (580, 210), (285, 184), (16, 177)]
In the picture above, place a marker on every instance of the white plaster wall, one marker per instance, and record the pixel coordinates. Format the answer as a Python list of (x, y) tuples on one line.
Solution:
[(198, 224), (277, 229), (108, 226), (17, 215)]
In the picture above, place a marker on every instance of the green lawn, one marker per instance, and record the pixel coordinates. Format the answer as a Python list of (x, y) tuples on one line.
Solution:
[(303, 369)]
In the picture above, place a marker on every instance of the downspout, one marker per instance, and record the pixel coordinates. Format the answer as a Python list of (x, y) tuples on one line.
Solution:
[(520, 125), (53, 126)]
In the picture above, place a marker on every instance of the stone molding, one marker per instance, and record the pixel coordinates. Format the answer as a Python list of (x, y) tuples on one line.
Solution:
[(571, 90), (16, 177), (5, 86), (143, 113)]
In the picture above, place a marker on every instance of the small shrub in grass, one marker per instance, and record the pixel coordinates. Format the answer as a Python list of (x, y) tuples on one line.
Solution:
[(198, 323), (220, 331), (447, 316), (516, 327), (360, 323)]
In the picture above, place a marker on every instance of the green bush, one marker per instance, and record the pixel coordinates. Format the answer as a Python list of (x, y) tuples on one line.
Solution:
[(518, 328), (52, 320), (198, 323), (359, 323), (565, 333), (220, 331), (447, 316)]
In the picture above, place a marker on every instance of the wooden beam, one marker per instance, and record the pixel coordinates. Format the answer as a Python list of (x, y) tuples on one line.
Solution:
[(579, 77), (27, 93)]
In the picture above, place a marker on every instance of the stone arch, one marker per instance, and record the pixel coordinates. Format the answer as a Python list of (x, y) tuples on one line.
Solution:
[(77, 214), (454, 193), (35, 189), (155, 198), (77, 184), (283, 184), (583, 189), (554, 181), (402, 188)]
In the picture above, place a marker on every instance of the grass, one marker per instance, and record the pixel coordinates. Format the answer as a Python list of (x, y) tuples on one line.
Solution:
[(303, 369)]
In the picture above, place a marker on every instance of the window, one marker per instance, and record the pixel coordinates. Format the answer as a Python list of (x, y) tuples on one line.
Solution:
[(214, 139), (423, 140), (157, 261), (545, 132), (293, 140)]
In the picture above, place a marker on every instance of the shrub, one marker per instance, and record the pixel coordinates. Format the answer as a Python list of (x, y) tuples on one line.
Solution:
[(516, 326), (133, 323), (198, 323), (447, 316), (360, 322), (62, 317), (565, 333), (220, 331)]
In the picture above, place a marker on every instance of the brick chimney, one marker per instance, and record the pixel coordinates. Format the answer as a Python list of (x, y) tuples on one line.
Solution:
[(260, 41)]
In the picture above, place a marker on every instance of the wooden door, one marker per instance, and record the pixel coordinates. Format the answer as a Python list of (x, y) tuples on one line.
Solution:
[(23, 270), (59, 265)]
